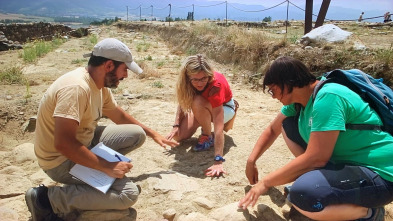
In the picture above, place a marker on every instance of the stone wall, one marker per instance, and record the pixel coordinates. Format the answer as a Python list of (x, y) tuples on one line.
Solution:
[(12, 36)]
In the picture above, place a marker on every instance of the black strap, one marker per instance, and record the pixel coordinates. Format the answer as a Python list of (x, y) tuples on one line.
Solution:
[(363, 127)]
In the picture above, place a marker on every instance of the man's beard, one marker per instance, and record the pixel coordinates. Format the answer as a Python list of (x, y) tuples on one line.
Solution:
[(111, 79)]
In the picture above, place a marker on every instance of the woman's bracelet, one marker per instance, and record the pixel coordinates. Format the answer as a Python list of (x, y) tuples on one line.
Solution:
[(176, 125)]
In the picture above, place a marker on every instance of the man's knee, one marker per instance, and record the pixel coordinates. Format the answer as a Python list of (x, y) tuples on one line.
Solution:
[(129, 194), (135, 136)]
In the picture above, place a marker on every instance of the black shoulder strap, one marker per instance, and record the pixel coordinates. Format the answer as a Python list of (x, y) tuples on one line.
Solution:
[(319, 86)]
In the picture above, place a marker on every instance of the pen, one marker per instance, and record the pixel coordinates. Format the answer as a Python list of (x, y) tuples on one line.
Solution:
[(117, 156)]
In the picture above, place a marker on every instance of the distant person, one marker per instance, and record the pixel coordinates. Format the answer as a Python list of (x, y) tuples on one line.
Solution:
[(204, 96), (361, 17), (67, 128), (386, 17), (338, 173)]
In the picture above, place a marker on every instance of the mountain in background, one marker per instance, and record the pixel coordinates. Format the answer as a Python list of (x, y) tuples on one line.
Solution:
[(144, 9)]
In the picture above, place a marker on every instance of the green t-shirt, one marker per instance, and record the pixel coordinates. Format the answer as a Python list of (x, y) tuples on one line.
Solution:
[(336, 105)]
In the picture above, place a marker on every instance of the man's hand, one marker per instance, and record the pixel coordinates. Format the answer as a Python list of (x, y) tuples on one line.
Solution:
[(216, 170), (253, 195), (118, 169), (252, 172)]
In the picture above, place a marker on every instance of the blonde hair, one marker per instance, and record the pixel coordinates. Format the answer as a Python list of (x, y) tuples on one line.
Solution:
[(185, 92)]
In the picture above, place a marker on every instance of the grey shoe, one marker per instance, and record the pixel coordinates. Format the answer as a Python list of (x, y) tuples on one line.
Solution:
[(286, 190), (38, 204), (377, 215)]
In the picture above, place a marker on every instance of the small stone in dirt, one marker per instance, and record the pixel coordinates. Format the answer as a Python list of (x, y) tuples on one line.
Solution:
[(204, 203), (29, 126), (8, 97), (134, 96), (126, 93), (169, 214), (203, 163)]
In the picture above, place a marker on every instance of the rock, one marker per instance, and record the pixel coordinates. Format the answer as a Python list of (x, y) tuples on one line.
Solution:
[(24, 152), (358, 46), (8, 214), (204, 203), (176, 182), (19, 184), (134, 96), (126, 93), (194, 216), (169, 214), (231, 212), (29, 126), (8, 97), (326, 33), (268, 213)]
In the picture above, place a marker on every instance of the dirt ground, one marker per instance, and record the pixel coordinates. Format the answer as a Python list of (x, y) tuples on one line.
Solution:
[(171, 179)]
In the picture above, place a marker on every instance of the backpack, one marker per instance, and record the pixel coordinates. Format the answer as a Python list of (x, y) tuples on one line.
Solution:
[(373, 91)]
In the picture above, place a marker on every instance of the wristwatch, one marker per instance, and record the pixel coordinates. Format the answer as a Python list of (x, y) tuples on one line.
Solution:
[(219, 158)]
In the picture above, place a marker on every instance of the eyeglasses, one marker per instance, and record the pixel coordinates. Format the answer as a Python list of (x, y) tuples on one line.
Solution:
[(196, 80), (270, 91)]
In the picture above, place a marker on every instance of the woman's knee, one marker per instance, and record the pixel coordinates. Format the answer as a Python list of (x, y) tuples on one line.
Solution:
[(311, 192), (199, 102)]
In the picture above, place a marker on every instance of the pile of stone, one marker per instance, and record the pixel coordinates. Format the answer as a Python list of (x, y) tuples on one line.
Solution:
[(6, 44), (12, 36)]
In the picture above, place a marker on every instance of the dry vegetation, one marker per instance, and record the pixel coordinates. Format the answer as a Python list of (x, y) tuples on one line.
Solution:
[(249, 49)]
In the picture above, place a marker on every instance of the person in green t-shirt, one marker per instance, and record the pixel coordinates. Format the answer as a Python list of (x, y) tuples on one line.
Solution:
[(338, 173)]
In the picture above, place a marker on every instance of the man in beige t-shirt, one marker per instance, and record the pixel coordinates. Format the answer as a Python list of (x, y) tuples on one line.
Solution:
[(67, 129)]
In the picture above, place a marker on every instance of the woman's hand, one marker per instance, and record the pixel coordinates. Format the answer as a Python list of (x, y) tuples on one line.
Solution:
[(173, 133), (216, 170), (162, 141), (252, 172), (253, 195)]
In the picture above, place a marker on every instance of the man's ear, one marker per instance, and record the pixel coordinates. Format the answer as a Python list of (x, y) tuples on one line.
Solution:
[(108, 65)]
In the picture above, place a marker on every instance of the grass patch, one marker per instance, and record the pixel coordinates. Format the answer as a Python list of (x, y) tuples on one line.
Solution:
[(157, 84), (78, 61), (385, 55), (33, 51), (143, 46), (12, 75), (160, 64), (93, 39)]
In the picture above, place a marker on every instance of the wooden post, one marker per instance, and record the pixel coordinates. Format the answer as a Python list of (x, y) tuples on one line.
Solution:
[(322, 13), (308, 17)]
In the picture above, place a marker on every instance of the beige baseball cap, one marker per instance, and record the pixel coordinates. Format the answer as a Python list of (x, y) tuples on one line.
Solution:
[(114, 49)]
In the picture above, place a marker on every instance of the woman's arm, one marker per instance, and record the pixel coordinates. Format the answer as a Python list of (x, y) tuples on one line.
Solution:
[(176, 125), (265, 140), (218, 121), (317, 154)]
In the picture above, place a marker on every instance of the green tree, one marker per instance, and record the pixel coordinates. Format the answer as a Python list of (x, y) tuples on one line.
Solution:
[(267, 19)]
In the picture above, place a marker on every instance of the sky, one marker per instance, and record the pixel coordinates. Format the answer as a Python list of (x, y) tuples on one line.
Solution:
[(362, 5)]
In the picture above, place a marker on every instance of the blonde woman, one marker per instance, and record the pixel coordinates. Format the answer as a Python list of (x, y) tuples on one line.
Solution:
[(204, 96)]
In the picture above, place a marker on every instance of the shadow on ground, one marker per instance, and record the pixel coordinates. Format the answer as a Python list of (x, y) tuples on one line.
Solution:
[(192, 163)]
